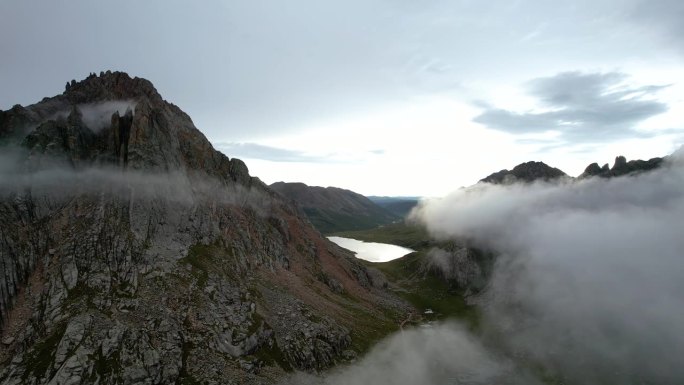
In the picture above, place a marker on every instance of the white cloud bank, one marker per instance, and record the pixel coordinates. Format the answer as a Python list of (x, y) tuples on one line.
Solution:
[(590, 278), (444, 355)]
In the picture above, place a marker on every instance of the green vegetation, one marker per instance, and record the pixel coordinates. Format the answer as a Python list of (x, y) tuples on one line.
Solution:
[(105, 367), (411, 279), (369, 328), (81, 294), (368, 325), (425, 290), (332, 209), (206, 259), (330, 221), (272, 355), (401, 234), (40, 358)]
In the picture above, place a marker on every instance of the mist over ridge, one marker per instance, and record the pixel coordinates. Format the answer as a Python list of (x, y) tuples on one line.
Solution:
[(590, 275)]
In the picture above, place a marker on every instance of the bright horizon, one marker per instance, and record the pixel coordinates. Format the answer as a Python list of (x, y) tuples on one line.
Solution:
[(381, 98)]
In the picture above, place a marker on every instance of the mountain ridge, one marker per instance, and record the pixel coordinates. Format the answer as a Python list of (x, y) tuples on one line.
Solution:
[(332, 209), (135, 252), (400, 206), (532, 171)]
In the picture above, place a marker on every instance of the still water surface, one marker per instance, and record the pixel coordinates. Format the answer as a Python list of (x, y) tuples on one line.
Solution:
[(372, 251)]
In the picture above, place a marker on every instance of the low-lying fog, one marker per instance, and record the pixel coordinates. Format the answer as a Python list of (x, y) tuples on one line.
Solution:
[(588, 288)]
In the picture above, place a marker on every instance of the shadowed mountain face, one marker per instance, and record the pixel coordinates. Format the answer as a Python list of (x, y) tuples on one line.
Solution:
[(622, 167), (133, 252), (332, 209), (525, 172), (533, 171)]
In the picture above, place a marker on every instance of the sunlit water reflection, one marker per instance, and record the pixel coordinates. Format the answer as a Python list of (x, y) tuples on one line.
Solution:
[(372, 251)]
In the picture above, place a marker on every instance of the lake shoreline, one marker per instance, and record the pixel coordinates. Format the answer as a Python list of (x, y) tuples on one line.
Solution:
[(371, 251)]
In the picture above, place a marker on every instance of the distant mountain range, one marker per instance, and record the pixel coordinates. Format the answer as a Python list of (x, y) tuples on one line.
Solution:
[(332, 209), (400, 206), (532, 171)]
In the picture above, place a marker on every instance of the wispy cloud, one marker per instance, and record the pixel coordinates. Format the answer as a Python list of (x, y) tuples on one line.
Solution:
[(274, 154), (441, 355), (663, 17), (582, 107)]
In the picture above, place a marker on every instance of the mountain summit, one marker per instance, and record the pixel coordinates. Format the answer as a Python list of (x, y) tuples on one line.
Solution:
[(116, 119), (525, 172), (133, 252)]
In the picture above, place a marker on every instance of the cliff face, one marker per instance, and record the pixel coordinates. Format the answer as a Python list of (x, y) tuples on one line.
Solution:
[(133, 252), (333, 209)]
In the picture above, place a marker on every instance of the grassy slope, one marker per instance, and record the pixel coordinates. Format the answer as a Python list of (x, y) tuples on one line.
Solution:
[(426, 291), (332, 209), (369, 325), (400, 234), (409, 280), (330, 221)]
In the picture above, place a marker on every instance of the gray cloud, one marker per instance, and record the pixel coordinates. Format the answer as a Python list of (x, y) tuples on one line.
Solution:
[(54, 181), (589, 281), (254, 68), (584, 107), (661, 16), (441, 355), (275, 154), (97, 116)]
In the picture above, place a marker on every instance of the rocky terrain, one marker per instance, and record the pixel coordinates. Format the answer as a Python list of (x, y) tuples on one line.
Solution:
[(525, 172), (132, 252), (533, 171), (622, 167), (332, 209)]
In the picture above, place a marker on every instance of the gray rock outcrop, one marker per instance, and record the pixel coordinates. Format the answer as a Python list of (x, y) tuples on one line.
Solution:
[(622, 167)]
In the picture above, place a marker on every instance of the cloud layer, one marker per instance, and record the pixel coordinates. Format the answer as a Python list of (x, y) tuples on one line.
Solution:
[(443, 355), (583, 107), (55, 183), (590, 279), (259, 151)]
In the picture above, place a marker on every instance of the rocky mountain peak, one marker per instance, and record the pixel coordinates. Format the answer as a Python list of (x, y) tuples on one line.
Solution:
[(123, 121), (621, 167), (110, 86), (525, 172), (133, 252)]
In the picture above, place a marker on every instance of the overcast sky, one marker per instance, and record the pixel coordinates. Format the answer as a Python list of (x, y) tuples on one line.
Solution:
[(381, 97)]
